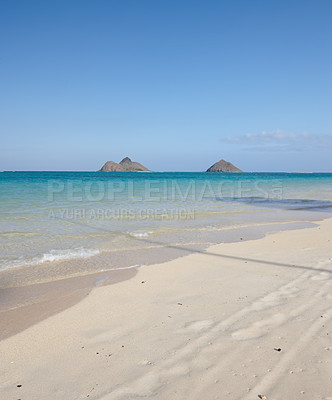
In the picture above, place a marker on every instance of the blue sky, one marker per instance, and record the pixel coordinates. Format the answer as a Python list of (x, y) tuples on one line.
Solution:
[(175, 85)]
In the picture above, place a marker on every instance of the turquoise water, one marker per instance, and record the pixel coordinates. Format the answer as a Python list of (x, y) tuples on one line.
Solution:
[(47, 218)]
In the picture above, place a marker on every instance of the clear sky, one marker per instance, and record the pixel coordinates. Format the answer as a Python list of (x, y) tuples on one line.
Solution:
[(173, 84)]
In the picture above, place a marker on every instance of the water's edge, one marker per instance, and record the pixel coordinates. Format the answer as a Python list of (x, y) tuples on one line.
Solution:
[(24, 306)]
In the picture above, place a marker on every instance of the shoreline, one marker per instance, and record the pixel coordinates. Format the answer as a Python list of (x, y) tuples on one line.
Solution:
[(205, 325), (24, 306), (154, 252)]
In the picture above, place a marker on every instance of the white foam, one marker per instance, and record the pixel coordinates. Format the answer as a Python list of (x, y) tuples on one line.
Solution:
[(58, 255), (51, 256), (120, 268), (140, 234)]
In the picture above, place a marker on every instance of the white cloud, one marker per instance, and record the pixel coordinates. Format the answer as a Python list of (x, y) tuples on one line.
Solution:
[(282, 141)]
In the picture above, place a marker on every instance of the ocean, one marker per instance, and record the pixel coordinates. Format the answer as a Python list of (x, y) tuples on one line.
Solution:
[(59, 224)]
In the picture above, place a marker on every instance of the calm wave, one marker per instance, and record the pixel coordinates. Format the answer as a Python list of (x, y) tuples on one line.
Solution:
[(52, 217)]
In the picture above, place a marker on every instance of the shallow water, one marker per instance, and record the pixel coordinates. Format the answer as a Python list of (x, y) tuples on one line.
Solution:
[(91, 221)]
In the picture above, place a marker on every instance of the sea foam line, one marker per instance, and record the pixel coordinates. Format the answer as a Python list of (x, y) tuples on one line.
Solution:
[(51, 256)]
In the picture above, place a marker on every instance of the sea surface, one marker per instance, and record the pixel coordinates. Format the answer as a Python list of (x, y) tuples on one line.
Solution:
[(59, 224)]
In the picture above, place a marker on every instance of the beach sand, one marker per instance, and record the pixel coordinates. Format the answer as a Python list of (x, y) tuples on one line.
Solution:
[(238, 321)]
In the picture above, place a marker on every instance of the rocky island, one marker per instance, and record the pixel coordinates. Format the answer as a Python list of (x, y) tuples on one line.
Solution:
[(223, 166), (125, 165)]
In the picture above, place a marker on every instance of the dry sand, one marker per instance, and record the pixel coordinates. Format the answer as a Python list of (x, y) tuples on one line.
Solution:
[(205, 326)]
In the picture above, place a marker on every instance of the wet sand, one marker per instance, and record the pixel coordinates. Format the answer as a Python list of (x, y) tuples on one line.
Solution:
[(24, 306)]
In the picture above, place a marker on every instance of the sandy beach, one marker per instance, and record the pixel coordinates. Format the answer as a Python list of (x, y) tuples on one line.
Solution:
[(243, 320)]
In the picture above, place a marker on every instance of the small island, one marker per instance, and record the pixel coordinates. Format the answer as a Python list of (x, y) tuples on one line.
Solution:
[(125, 165), (223, 166)]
